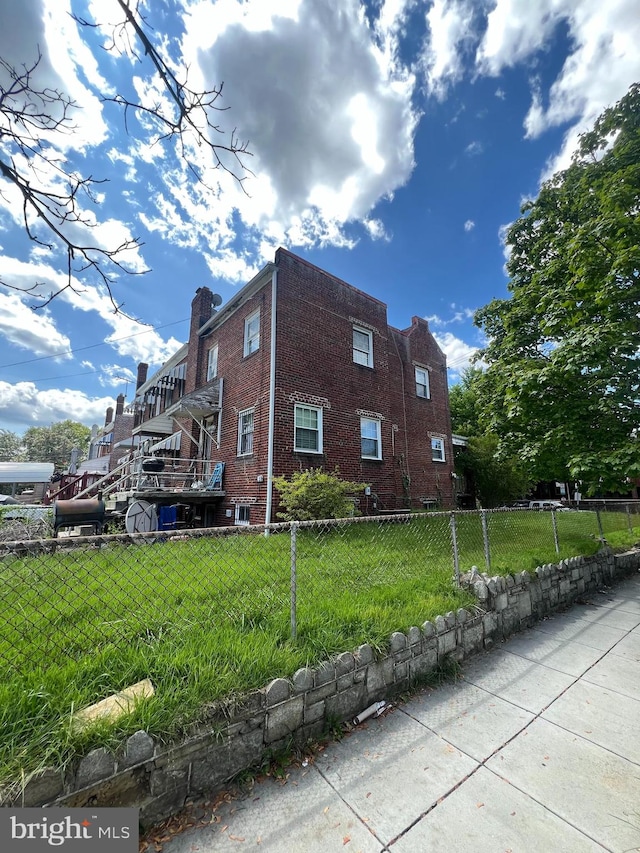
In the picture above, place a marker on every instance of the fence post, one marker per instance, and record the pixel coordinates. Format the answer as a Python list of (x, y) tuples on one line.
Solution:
[(485, 539), (454, 545), (554, 522), (629, 519), (600, 530), (294, 579)]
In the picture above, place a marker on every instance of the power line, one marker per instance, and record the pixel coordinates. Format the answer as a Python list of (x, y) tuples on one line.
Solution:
[(92, 346)]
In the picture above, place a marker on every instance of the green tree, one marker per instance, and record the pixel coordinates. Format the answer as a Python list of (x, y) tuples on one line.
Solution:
[(316, 494), (562, 385), (496, 479), (465, 403), (11, 447), (55, 443), (494, 476)]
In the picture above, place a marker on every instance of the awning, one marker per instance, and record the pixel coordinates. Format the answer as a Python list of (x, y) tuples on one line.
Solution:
[(160, 425), (128, 443), (170, 443), (199, 403)]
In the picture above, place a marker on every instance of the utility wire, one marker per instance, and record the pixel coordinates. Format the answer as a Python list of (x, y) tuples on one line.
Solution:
[(92, 346)]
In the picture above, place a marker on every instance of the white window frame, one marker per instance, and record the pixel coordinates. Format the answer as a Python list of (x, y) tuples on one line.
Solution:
[(212, 363), (242, 432), (252, 333), (378, 437), (422, 381), (437, 450), (361, 356), (318, 410), (242, 521)]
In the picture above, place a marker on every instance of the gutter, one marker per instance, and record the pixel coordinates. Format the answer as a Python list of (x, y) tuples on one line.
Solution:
[(272, 398)]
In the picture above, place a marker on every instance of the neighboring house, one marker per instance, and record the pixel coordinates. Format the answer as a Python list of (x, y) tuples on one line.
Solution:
[(298, 370), (111, 442)]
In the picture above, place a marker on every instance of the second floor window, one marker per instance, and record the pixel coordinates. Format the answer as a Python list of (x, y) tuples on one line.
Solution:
[(422, 382), (245, 433), (362, 346), (212, 363), (252, 333), (308, 429), (437, 449)]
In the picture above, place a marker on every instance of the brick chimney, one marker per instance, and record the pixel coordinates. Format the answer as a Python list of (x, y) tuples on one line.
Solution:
[(109, 416), (142, 374), (201, 310), (119, 404)]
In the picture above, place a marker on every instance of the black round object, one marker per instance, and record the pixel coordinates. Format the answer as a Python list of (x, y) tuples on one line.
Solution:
[(153, 466)]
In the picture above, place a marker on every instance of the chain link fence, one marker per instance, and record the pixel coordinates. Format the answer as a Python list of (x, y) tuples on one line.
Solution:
[(63, 599)]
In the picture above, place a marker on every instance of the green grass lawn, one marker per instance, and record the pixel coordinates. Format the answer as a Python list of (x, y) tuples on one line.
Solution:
[(209, 617)]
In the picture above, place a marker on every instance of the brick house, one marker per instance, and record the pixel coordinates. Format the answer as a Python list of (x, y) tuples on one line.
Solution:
[(298, 370), (109, 443)]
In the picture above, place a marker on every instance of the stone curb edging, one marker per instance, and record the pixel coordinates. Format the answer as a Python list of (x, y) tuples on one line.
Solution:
[(241, 731)]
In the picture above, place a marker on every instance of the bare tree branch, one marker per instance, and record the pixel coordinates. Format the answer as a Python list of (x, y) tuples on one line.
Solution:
[(52, 194), (189, 114)]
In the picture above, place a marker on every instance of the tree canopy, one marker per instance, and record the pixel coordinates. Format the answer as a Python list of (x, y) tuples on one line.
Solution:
[(561, 388), (55, 443), (494, 476)]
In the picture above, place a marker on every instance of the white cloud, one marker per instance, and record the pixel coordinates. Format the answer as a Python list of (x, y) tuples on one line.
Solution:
[(30, 330), (23, 405), (46, 27), (459, 315), (474, 148), (603, 61), (459, 353), (329, 115), (42, 336), (115, 376), (469, 225), (451, 33)]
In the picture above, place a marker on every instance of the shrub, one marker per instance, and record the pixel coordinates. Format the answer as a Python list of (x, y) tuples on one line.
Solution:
[(316, 493)]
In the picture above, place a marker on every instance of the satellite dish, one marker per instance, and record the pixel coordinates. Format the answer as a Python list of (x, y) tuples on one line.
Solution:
[(141, 517), (216, 300)]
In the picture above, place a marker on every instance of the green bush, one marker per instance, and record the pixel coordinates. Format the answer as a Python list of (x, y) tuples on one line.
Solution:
[(316, 493)]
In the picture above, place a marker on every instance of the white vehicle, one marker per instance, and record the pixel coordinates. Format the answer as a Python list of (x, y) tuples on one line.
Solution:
[(549, 504)]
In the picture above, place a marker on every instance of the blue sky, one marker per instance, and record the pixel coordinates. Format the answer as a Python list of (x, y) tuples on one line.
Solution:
[(391, 141)]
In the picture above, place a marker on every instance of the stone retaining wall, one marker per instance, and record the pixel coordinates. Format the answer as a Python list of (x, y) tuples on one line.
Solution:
[(241, 732)]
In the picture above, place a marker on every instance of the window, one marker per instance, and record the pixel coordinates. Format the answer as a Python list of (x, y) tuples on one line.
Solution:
[(212, 363), (371, 446), (437, 449), (245, 433), (252, 333), (308, 429), (362, 346), (243, 514), (422, 383)]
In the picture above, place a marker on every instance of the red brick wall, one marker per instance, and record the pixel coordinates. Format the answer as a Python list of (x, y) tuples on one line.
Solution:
[(315, 319), (420, 419), (245, 385)]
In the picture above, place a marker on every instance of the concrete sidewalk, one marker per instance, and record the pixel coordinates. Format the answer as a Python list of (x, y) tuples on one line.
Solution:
[(535, 748)]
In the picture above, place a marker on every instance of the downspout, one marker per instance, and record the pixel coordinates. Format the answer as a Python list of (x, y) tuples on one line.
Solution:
[(272, 398)]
